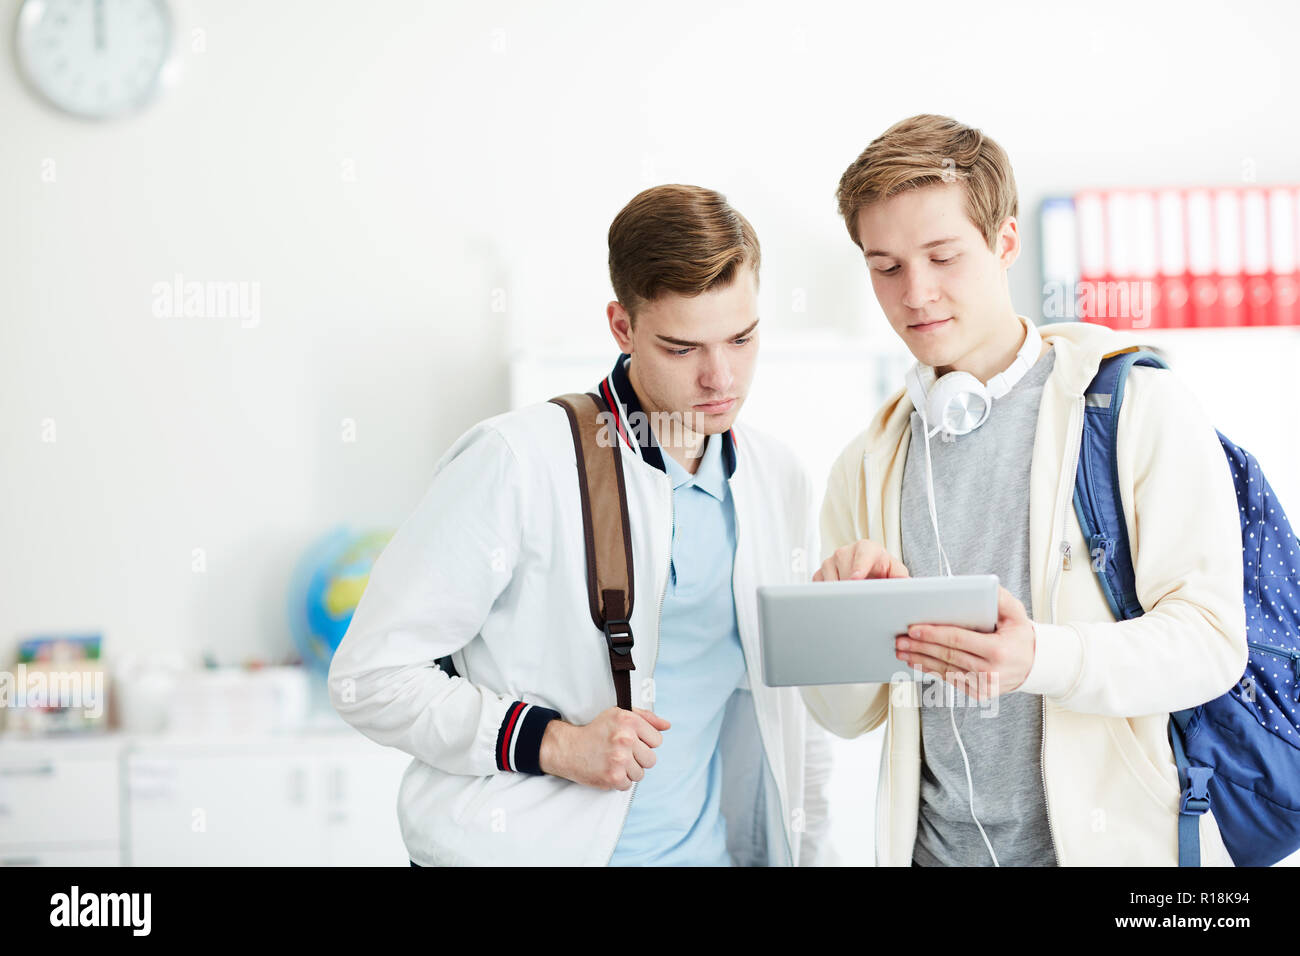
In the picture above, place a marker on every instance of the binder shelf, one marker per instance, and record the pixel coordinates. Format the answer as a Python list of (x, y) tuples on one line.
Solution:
[(1186, 257)]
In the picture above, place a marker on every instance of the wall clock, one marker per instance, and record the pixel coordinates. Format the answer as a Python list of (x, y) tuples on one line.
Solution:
[(94, 58)]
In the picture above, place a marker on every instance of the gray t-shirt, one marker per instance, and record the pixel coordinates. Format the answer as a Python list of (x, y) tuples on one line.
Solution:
[(981, 492)]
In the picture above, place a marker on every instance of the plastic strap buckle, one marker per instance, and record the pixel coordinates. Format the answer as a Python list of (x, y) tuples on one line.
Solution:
[(1196, 798), (618, 635)]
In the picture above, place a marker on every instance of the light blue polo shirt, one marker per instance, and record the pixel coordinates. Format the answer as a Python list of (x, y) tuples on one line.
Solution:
[(675, 818)]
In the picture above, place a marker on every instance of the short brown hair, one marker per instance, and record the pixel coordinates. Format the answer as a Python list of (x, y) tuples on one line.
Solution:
[(681, 239), (926, 150)]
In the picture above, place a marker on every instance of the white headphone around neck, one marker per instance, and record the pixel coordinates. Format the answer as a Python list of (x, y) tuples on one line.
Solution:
[(958, 403)]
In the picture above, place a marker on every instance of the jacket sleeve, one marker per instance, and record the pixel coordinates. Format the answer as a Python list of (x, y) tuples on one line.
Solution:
[(428, 596), (1185, 536), (846, 710)]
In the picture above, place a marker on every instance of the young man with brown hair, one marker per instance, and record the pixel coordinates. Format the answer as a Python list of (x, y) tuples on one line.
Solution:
[(521, 754), (1073, 765)]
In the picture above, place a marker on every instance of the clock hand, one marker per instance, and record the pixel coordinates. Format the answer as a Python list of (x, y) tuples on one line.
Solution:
[(99, 25)]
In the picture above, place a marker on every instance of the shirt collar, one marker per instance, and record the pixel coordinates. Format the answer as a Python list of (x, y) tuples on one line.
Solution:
[(708, 477), (634, 425)]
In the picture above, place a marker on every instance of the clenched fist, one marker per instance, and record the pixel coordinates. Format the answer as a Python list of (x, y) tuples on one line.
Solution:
[(610, 753)]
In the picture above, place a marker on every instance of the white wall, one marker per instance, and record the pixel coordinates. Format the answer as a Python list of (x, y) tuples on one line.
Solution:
[(422, 190), (490, 145)]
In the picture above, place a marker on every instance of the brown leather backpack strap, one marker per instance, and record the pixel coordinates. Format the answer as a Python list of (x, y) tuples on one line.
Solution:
[(607, 531)]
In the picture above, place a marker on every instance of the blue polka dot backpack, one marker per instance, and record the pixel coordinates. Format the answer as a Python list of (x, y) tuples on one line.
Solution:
[(1240, 753)]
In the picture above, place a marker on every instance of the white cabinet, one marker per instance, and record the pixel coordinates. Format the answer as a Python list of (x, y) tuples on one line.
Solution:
[(60, 856), (217, 808), (60, 802), (319, 801), (361, 809)]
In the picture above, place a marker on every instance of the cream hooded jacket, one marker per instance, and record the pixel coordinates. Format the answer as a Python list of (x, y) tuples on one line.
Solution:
[(1108, 687)]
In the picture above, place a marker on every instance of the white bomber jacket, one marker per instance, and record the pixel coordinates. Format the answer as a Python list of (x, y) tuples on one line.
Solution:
[(491, 570), (1110, 781)]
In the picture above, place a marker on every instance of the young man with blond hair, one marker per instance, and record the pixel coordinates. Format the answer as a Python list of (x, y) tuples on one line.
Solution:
[(1074, 765), (521, 754)]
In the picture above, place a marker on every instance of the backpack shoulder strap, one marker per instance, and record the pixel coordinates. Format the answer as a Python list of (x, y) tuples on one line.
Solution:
[(1097, 499), (1100, 508), (606, 530)]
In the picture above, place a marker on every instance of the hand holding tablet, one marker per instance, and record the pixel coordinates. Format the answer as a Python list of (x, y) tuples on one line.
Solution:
[(876, 624), (843, 632)]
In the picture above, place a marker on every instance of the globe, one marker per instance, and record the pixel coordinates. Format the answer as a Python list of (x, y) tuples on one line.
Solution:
[(327, 586)]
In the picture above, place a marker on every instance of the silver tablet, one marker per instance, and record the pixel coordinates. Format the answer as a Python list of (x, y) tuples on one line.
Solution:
[(842, 632)]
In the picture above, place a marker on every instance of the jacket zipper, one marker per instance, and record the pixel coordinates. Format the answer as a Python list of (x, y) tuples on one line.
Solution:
[(758, 720), (1076, 441), (672, 520)]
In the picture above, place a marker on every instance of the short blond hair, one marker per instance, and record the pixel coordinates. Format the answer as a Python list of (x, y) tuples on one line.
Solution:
[(927, 150)]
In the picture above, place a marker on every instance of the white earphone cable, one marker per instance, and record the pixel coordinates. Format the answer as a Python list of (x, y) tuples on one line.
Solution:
[(952, 710), (929, 496), (970, 785)]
